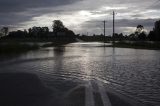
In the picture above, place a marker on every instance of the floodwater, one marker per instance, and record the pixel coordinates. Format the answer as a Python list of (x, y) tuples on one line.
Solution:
[(132, 72)]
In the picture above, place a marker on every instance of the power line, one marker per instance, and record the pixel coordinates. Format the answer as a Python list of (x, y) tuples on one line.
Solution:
[(153, 4), (104, 25)]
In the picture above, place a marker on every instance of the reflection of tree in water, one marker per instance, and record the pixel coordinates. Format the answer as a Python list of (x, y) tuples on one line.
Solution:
[(59, 51), (59, 60)]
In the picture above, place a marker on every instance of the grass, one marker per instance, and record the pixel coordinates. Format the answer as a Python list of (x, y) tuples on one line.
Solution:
[(57, 43), (137, 45), (14, 48)]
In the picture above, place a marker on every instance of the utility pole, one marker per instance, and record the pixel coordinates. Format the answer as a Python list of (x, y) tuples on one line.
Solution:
[(113, 26), (104, 31), (104, 28)]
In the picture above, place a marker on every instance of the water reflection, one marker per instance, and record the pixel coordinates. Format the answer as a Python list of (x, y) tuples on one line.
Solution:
[(132, 72), (85, 64), (59, 50)]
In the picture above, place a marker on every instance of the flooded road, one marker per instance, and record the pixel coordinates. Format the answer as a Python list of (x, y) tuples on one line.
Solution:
[(131, 72)]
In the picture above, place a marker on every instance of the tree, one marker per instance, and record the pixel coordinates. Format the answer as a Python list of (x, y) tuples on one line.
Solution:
[(1, 34), (17, 34), (57, 26), (151, 36), (142, 36), (60, 31), (45, 29), (139, 29), (154, 35), (38, 31), (5, 30), (157, 30), (140, 33), (70, 33)]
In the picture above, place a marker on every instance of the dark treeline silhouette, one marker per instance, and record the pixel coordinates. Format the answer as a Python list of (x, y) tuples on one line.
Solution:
[(59, 32), (139, 35), (101, 37), (4, 30), (93, 38), (154, 35), (62, 33)]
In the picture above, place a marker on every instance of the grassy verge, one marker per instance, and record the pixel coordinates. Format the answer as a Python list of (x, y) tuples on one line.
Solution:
[(138, 45), (50, 42), (15, 48), (57, 43)]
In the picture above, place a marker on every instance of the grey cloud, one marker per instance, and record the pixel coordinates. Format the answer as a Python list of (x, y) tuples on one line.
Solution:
[(13, 12), (137, 15), (23, 5), (135, 22), (121, 25)]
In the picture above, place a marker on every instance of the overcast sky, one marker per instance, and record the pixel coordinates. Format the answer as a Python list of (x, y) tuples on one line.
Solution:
[(81, 16)]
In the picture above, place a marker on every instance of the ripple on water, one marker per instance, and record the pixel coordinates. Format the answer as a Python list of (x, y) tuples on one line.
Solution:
[(129, 71)]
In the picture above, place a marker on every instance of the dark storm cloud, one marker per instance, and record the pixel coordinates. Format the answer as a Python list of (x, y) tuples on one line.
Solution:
[(13, 12), (10, 19), (26, 13), (23, 5)]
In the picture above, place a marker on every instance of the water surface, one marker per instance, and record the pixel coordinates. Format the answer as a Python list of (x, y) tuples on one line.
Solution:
[(133, 72)]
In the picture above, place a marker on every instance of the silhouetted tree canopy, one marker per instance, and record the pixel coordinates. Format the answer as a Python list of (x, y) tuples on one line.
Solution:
[(157, 30), (17, 34), (152, 36), (58, 26), (38, 31), (139, 29), (155, 34), (60, 30), (140, 34), (5, 30)]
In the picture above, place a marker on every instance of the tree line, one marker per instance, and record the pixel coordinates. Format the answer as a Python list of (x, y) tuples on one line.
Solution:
[(60, 31), (139, 35)]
